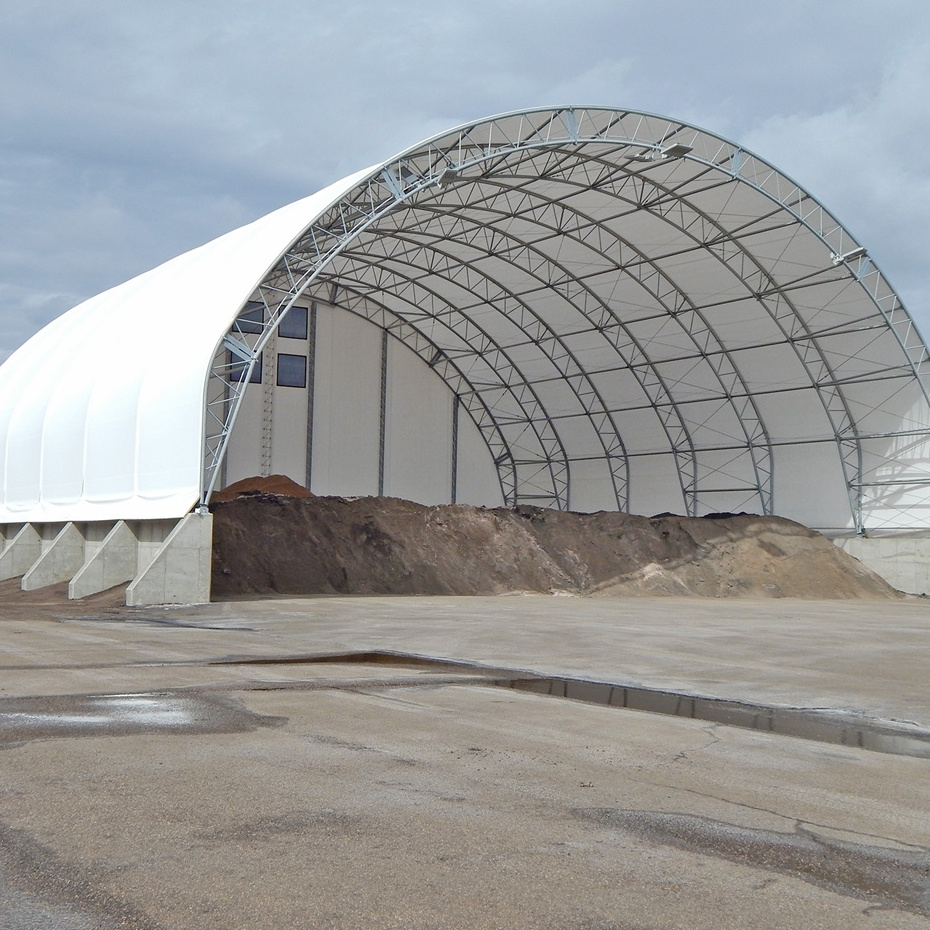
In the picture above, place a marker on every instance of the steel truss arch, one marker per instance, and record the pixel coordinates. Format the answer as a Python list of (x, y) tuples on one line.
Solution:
[(677, 306), (540, 334), (844, 251), (649, 164), (826, 383), (496, 362)]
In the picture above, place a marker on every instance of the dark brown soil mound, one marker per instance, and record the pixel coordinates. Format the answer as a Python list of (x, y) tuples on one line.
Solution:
[(275, 543), (273, 484)]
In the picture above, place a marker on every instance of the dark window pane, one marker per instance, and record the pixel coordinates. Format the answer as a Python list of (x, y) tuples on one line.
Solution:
[(237, 369), (294, 325), (292, 370), (250, 320)]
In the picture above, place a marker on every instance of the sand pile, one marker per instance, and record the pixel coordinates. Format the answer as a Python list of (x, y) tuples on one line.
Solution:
[(272, 536)]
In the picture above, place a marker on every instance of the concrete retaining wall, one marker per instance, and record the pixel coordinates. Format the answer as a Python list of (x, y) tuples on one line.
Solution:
[(165, 561), (903, 561)]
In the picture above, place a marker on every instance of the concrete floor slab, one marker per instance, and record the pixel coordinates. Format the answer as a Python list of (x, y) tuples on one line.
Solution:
[(359, 795)]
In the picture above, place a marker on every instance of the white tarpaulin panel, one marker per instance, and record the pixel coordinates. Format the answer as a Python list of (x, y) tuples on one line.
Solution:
[(102, 411)]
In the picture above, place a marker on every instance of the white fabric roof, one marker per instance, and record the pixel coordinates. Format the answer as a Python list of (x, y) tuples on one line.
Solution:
[(102, 411), (602, 289)]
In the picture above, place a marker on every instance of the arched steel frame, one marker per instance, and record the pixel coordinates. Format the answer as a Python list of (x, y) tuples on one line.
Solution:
[(676, 304), (404, 225), (553, 459), (510, 305)]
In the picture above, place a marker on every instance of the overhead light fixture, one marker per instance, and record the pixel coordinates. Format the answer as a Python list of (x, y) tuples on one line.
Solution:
[(850, 256), (447, 177), (676, 150)]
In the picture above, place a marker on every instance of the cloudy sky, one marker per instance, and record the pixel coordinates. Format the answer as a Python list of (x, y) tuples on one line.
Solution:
[(132, 131)]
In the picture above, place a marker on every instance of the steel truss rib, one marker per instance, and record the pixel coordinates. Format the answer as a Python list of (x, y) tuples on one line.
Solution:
[(615, 154)]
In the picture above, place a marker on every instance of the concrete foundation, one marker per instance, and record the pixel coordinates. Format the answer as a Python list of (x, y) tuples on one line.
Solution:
[(59, 561), (114, 561), (179, 570), (903, 561), (21, 548), (165, 561)]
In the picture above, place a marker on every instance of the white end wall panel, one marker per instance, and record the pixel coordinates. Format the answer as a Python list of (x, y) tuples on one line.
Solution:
[(418, 449), (289, 421), (244, 456), (347, 404), (478, 482), (810, 487)]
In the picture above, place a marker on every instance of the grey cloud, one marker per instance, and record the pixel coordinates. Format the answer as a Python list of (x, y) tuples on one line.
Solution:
[(869, 162), (134, 131)]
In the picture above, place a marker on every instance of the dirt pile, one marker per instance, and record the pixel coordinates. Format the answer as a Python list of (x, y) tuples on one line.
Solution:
[(273, 484), (272, 542)]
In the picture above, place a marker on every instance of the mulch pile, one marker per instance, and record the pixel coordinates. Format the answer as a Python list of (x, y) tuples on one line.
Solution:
[(272, 536)]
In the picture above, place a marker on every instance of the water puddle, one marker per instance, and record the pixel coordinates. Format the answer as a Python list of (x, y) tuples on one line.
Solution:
[(825, 726), (887, 877), (24, 719)]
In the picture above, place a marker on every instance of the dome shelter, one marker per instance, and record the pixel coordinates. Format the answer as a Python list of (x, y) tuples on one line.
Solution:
[(573, 308)]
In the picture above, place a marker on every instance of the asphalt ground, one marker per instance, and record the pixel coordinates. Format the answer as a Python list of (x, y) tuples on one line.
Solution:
[(302, 763)]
